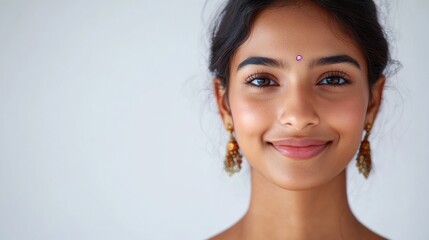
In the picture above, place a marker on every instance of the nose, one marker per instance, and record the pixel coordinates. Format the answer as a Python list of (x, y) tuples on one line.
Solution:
[(299, 111)]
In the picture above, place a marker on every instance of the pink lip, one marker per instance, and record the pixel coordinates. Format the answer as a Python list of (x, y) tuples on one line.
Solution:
[(301, 149)]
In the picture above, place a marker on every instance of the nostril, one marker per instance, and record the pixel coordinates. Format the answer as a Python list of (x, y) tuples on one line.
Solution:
[(301, 122)]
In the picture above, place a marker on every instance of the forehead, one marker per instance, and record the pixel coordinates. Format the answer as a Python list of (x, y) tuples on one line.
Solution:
[(287, 31)]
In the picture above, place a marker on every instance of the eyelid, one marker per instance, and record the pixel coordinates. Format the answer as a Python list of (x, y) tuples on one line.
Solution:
[(335, 73)]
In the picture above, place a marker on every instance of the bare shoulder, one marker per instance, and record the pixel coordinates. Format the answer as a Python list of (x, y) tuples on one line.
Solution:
[(225, 235), (370, 235), (374, 236), (231, 233)]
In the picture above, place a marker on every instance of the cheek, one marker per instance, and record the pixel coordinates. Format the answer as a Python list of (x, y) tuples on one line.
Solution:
[(347, 115), (347, 118), (251, 118)]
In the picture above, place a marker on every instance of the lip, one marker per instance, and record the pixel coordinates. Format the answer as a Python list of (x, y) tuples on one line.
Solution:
[(300, 149)]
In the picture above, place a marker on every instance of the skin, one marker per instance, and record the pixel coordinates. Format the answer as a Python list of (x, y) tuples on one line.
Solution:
[(290, 198)]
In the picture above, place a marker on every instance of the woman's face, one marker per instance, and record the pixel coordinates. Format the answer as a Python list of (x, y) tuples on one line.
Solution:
[(298, 97)]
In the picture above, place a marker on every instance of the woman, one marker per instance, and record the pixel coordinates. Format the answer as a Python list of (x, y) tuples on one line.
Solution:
[(298, 83)]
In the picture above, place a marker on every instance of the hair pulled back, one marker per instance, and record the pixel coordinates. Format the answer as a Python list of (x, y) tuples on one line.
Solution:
[(358, 17)]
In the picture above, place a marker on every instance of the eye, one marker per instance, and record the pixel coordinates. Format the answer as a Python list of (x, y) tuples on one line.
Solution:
[(261, 81), (335, 79)]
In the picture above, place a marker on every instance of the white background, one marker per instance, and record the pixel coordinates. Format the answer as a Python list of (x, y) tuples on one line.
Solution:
[(108, 128)]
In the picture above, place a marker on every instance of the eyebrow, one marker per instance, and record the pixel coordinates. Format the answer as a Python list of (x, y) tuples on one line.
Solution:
[(264, 61), (334, 60), (270, 62)]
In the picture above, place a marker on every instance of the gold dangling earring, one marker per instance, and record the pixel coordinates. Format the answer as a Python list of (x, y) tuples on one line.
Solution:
[(233, 157), (363, 161)]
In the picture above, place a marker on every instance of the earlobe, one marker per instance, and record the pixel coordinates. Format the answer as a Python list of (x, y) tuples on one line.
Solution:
[(222, 102), (377, 96)]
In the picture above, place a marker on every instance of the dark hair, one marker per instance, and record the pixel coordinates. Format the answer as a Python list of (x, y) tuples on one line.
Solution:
[(358, 17)]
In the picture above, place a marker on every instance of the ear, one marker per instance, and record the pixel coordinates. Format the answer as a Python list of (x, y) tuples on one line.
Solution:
[(222, 102), (375, 102)]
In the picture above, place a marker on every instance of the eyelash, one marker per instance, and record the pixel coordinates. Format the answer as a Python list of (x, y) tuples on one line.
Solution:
[(333, 74)]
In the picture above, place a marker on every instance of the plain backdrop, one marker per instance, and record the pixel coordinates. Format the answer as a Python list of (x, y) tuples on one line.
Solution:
[(108, 128)]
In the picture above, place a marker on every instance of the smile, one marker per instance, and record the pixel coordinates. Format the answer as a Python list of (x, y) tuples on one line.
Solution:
[(300, 149)]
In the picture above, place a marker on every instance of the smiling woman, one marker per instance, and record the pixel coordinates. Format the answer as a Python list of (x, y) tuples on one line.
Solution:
[(297, 83)]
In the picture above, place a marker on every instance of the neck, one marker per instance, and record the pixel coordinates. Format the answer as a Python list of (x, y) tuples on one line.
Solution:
[(319, 213)]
